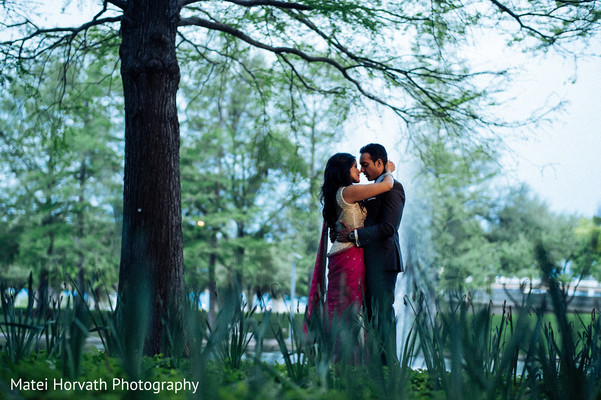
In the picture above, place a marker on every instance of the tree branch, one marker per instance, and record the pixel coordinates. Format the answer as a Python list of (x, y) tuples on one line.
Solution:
[(279, 50), (122, 4), (217, 26), (303, 80), (272, 3), (185, 3), (518, 19), (73, 31), (434, 102), (387, 70)]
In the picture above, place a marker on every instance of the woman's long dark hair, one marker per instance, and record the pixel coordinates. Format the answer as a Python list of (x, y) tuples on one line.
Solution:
[(336, 174)]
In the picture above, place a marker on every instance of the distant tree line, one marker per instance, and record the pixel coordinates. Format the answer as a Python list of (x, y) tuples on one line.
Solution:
[(251, 165)]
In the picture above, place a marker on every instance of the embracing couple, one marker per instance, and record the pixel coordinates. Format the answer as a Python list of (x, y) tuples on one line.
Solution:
[(363, 223)]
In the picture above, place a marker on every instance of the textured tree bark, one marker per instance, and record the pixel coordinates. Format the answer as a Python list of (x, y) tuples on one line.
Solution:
[(151, 272)]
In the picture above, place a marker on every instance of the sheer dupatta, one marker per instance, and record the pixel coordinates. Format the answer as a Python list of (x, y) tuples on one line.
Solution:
[(318, 283)]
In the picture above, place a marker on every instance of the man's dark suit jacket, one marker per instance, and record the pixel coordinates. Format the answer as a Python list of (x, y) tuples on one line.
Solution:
[(380, 236), (383, 261)]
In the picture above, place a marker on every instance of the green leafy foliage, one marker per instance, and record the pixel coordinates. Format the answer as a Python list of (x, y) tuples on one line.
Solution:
[(467, 227), (62, 190), (251, 161)]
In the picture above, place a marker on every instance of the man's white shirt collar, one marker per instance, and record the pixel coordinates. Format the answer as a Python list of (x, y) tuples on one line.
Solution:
[(381, 177)]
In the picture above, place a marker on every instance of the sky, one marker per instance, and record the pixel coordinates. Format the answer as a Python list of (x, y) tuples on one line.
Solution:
[(563, 162)]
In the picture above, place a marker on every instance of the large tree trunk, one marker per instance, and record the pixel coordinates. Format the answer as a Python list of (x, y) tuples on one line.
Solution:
[(151, 270)]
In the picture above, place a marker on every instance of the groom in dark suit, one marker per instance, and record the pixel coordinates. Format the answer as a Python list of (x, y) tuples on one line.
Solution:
[(380, 239)]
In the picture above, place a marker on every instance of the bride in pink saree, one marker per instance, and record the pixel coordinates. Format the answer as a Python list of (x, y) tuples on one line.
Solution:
[(344, 261)]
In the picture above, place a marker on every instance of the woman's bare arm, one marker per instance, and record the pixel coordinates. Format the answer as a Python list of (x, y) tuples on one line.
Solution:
[(352, 194)]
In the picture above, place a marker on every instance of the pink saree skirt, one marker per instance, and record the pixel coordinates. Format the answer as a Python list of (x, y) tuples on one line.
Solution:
[(346, 274)]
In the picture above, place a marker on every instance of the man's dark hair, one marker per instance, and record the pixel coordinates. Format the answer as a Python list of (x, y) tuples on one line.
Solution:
[(376, 152)]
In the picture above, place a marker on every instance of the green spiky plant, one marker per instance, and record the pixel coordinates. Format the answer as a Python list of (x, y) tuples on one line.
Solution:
[(20, 328)]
